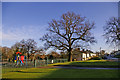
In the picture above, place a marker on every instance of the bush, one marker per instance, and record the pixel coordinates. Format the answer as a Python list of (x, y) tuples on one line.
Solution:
[(117, 56), (104, 57)]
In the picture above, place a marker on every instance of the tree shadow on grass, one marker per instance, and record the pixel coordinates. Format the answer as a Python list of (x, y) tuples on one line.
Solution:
[(27, 72), (93, 64), (67, 73)]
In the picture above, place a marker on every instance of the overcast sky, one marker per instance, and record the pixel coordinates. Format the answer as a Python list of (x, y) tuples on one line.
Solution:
[(24, 20)]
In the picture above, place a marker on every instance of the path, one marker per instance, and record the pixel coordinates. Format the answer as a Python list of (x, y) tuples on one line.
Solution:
[(69, 67), (86, 68)]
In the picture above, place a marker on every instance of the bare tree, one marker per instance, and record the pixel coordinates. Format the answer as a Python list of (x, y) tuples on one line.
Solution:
[(23, 46), (39, 51), (112, 31), (16, 47), (63, 55), (66, 33), (31, 46), (26, 47)]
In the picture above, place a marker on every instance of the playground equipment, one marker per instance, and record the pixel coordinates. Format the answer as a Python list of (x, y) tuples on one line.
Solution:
[(19, 59)]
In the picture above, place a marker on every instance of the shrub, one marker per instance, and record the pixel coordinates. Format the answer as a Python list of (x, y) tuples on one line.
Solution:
[(104, 57), (117, 56)]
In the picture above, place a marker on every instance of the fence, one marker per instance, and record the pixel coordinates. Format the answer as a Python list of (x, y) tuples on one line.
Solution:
[(30, 64)]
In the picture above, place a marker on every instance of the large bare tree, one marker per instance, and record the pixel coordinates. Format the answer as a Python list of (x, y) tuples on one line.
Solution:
[(112, 31), (69, 32)]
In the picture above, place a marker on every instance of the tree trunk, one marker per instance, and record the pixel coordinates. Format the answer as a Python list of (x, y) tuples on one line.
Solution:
[(81, 56), (34, 57), (28, 55), (70, 57)]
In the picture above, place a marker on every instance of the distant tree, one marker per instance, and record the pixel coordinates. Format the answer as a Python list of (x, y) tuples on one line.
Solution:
[(41, 49), (10, 53), (7, 53), (4, 52), (39, 53), (69, 32), (53, 55), (16, 47), (25, 47), (31, 46), (112, 31), (63, 55), (102, 52), (97, 53), (0, 53)]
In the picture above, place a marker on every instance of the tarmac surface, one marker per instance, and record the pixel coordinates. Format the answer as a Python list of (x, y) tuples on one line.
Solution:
[(87, 68)]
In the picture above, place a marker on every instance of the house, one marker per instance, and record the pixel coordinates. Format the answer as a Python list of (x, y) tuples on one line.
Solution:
[(81, 55)]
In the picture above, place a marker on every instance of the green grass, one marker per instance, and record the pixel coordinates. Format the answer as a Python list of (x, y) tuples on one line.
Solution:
[(57, 73), (90, 63), (95, 62), (63, 73)]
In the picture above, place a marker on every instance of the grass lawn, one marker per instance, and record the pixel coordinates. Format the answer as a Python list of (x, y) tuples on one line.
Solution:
[(63, 73), (57, 73), (91, 63)]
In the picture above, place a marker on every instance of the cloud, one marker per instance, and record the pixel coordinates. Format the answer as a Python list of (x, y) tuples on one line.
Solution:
[(24, 32)]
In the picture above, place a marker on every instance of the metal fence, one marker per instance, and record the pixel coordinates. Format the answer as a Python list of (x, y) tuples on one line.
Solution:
[(35, 63)]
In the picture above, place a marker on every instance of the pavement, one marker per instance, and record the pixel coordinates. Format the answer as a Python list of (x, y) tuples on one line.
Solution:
[(87, 68)]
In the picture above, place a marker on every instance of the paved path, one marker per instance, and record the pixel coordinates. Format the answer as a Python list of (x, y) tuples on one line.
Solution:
[(65, 67), (87, 68), (48, 67)]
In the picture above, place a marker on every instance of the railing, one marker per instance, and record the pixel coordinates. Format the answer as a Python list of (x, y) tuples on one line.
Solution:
[(57, 61), (36, 63)]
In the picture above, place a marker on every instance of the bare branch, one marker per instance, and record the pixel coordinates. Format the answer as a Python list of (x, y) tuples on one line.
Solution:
[(112, 31), (69, 29)]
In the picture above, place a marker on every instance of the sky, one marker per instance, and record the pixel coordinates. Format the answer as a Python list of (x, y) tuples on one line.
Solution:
[(60, 0), (24, 20)]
